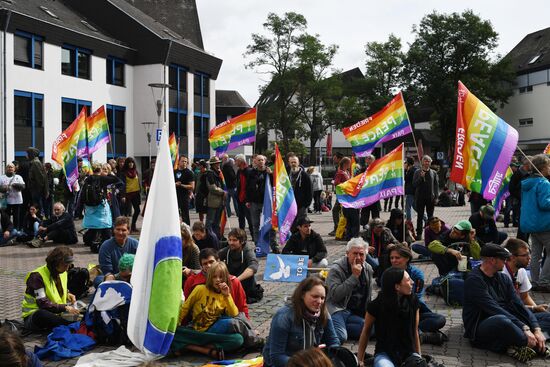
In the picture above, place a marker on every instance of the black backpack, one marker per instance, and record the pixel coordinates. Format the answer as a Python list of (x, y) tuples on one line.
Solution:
[(92, 191), (78, 280)]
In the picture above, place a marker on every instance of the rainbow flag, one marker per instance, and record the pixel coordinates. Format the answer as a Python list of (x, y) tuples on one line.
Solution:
[(285, 208), (98, 130), (174, 150), (484, 146), (503, 192), (234, 132), (87, 166), (387, 124), (547, 149), (70, 145), (156, 275), (382, 179), (353, 164)]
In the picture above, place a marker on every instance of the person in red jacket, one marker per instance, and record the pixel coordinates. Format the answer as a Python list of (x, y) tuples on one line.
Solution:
[(241, 323)]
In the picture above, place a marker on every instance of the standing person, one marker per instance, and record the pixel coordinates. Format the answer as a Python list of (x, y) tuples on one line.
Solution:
[(230, 177), (317, 187), (119, 172), (185, 184), (301, 184), (132, 190), (426, 184), (535, 219), (410, 169), (337, 208), (201, 190), (373, 210), (302, 324), (112, 191), (515, 191), (394, 314), (38, 180), (255, 188), (243, 173), (11, 184), (215, 200), (48, 204), (351, 214)]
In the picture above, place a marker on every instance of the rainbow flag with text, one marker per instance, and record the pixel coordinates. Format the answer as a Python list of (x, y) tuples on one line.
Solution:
[(503, 192), (285, 208), (484, 147), (174, 151), (382, 179), (98, 130), (234, 132), (387, 124)]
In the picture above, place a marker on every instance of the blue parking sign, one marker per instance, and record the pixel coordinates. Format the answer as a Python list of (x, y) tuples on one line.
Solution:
[(285, 268), (159, 134)]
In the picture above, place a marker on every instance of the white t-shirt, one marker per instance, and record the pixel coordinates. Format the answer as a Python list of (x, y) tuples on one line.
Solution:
[(524, 285), (14, 196)]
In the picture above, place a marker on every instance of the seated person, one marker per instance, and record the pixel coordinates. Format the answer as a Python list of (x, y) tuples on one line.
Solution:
[(486, 229), (519, 259), (433, 231), (13, 352), (445, 199), (58, 228), (9, 233), (397, 226), (204, 238), (445, 258), (306, 241), (379, 238), (242, 325), (242, 263), (112, 250), (46, 293), (125, 266), (211, 306), (394, 315), (31, 222), (430, 323), (300, 325), (190, 252), (349, 284), (493, 314)]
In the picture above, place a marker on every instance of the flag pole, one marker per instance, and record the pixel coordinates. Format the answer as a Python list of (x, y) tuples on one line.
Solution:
[(403, 197), (529, 159), (412, 130), (255, 133)]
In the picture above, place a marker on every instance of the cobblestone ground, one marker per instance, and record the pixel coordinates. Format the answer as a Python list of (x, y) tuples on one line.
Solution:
[(16, 261)]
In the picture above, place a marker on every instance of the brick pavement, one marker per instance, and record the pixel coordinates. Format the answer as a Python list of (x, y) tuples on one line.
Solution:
[(16, 261)]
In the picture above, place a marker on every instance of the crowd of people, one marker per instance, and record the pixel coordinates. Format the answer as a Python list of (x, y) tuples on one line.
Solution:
[(219, 269)]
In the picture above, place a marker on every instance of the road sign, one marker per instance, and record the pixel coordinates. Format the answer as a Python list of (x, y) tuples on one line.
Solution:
[(159, 134)]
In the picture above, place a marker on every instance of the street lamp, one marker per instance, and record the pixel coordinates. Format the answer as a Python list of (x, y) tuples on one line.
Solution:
[(159, 102), (147, 125)]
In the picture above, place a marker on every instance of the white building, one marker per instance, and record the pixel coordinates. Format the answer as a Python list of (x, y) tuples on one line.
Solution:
[(59, 56)]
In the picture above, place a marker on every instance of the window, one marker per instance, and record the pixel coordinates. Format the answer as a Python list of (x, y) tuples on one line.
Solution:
[(201, 85), (115, 71), (70, 108), (75, 62), (526, 122), (116, 116), (28, 121), (27, 50), (529, 88), (177, 101)]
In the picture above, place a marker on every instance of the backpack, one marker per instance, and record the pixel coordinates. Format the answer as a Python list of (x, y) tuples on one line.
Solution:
[(341, 357), (452, 289), (77, 282), (92, 191)]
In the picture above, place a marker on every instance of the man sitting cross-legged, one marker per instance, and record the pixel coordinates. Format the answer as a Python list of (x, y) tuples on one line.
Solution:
[(307, 242)]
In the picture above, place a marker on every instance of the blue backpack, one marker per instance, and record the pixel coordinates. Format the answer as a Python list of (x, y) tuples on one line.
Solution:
[(450, 287)]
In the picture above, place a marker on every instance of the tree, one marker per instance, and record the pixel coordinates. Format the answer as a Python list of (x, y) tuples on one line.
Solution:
[(449, 48), (275, 55)]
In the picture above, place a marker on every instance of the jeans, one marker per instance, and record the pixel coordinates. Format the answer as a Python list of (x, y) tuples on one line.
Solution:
[(428, 205), (255, 213), (347, 325), (383, 360), (420, 248), (213, 219), (222, 326), (317, 200), (15, 211), (352, 222), (244, 216), (372, 211), (497, 333), (409, 200), (3, 240), (539, 242), (431, 321), (544, 320), (232, 195), (373, 262), (183, 205)]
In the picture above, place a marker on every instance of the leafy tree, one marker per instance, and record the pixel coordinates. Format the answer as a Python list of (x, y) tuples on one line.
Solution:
[(449, 48)]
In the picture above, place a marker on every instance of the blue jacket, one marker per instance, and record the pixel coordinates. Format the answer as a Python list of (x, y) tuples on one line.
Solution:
[(535, 204), (287, 338)]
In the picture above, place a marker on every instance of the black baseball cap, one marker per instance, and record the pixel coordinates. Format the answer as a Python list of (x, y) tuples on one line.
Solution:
[(303, 220), (492, 250)]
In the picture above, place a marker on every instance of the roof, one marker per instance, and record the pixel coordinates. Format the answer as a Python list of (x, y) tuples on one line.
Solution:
[(532, 53), (230, 98)]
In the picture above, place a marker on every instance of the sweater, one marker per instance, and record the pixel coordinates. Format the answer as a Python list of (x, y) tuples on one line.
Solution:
[(312, 245), (110, 253)]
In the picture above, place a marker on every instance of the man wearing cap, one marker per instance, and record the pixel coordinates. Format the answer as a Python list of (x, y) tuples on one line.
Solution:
[(46, 294), (306, 241), (215, 200), (494, 316), (379, 238), (486, 228), (444, 256)]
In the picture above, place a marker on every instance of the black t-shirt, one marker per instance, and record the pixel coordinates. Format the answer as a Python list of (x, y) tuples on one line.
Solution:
[(395, 330), (184, 176)]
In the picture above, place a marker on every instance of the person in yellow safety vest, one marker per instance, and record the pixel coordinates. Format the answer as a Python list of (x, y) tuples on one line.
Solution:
[(46, 294)]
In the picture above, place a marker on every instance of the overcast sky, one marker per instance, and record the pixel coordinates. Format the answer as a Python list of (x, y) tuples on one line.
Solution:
[(227, 25)]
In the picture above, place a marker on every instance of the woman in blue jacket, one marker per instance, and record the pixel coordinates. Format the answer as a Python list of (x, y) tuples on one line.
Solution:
[(302, 324), (535, 219)]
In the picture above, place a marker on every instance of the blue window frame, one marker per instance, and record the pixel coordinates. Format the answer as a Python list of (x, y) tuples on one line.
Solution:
[(28, 121), (116, 116), (201, 116), (70, 108), (115, 71), (27, 50), (75, 61), (177, 104)]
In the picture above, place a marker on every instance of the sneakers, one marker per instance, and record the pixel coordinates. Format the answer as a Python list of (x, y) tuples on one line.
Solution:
[(331, 234), (434, 338), (36, 243), (522, 354), (11, 242)]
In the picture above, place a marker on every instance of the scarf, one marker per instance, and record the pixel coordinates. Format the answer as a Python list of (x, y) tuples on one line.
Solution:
[(131, 172)]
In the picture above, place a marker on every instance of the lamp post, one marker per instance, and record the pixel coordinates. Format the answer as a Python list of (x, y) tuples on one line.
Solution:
[(159, 102), (147, 125)]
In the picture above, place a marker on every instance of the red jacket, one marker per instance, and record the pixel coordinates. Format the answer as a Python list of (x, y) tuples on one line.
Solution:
[(237, 291)]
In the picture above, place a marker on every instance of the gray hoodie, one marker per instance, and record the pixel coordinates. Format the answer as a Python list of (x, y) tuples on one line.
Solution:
[(341, 283)]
